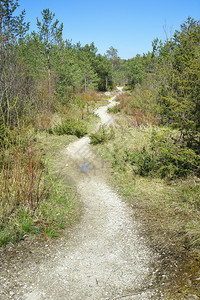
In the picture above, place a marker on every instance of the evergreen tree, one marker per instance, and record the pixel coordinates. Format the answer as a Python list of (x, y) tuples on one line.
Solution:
[(11, 26), (50, 34)]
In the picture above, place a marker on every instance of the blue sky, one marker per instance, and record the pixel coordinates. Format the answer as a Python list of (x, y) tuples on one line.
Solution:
[(129, 26)]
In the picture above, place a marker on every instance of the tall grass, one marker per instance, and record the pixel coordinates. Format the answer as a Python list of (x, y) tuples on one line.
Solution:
[(22, 180)]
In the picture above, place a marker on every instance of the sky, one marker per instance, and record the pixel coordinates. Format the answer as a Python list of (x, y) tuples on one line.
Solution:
[(129, 26)]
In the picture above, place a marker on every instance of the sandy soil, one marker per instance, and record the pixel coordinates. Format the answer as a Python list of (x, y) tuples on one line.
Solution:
[(103, 256)]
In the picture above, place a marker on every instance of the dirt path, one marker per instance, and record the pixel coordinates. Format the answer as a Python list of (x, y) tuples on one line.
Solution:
[(104, 256)]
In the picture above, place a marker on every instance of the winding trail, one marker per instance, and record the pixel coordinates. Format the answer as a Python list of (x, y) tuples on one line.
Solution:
[(104, 256)]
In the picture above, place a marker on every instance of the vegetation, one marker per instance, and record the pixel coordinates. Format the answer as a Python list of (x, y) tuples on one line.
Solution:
[(155, 153), (48, 90), (163, 157), (35, 199), (46, 85), (102, 135), (164, 87), (165, 203), (114, 109)]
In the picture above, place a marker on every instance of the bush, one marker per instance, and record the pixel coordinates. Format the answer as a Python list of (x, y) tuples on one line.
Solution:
[(43, 121), (165, 157), (173, 157), (102, 135), (140, 105), (114, 109), (71, 126)]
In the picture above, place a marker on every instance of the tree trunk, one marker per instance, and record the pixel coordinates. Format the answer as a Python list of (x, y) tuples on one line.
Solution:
[(85, 83), (49, 77), (106, 82)]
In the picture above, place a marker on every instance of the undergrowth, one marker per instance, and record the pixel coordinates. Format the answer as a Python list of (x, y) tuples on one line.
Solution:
[(22, 174), (163, 157), (114, 109), (102, 135), (140, 105), (70, 126), (35, 199), (163, 191)]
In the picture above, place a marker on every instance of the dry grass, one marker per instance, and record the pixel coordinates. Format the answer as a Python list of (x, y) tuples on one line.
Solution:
[(34, 199), (22, 177), (140, 106), (43, 121)]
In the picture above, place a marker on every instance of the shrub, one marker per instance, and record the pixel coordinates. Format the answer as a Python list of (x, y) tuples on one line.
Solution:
[(140, 105), (71, 126), (114, 109), (102, 135), (164, 157)]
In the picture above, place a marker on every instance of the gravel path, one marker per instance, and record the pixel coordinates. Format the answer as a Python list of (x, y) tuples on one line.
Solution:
[(104, 257)]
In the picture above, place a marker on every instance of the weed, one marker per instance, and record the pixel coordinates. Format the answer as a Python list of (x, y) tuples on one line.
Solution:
[(51, 232), (43, 121), (141, 106), (22, 178), (28, 204)]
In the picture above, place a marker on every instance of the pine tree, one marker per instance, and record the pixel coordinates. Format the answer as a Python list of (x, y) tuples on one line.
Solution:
[(11, 26)]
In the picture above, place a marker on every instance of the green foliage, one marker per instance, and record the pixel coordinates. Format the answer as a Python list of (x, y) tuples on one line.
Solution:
[(12, 26), (102, 135), (14, 230), (179, 94), (73, 126), (166, 89), (114, 109), (49, 32), (164, 158)]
